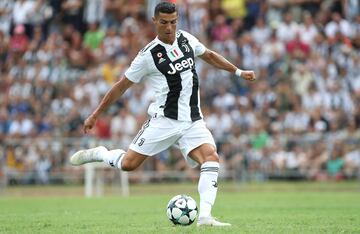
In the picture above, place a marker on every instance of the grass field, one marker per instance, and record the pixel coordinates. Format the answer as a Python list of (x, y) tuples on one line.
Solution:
[(251, 208)]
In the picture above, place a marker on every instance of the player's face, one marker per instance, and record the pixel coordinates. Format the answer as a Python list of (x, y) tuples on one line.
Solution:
[(165, 25)]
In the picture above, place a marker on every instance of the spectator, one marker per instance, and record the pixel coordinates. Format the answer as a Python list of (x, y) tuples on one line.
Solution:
[(297, 48), (40, 18), (21, 126), (352, 161), (42, 169), (234, 9), (19, 41), (338, 24), (335, 164), (123, 125), (307, 29), (53, 73), (301, 79), (287, 29), (221, 30), (111, 70), (260, 32), (4, 123), (224, 99), (102, 127), (62, 105), (297, 120), (6, 7), (73, 13), (94, 36), (219, 122), (79, 57), (112, 43), (21, 14), (94, 11)]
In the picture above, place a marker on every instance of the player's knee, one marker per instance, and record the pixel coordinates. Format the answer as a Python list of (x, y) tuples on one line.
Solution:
[(204, 153), (127, 165), (212, 157)]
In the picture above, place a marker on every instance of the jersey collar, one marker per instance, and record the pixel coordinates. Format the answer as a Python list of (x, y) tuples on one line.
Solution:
[(167, 45)]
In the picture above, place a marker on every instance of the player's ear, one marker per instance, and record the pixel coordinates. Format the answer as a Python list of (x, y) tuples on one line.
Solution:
[(154, 19)]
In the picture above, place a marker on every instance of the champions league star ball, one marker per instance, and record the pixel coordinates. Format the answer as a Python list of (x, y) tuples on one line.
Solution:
[(182, 210)]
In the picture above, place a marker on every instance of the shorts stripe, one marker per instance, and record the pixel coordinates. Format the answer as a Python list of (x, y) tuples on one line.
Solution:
[(145, 125)]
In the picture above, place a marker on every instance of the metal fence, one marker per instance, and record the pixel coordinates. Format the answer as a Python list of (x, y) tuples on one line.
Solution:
[(45, 160)]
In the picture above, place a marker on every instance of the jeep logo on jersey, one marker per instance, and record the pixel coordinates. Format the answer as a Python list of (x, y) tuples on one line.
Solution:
[(181, 65)]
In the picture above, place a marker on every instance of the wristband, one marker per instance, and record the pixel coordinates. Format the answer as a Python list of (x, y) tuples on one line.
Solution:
[(238, 72)]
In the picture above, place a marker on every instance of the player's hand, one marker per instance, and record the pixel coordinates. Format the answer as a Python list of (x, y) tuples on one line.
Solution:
[(248, 75), (89, 123)]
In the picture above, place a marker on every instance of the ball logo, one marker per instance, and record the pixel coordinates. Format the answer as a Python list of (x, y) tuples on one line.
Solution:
[(181, 65)]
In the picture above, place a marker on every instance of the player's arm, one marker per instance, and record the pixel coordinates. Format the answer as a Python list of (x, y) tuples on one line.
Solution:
[(218, 61), (110, 97)]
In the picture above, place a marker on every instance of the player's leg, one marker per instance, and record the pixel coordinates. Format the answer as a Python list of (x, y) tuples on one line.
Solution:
[(128, 161), (117, 158), (208, 158), (198, 143), (156, 135)]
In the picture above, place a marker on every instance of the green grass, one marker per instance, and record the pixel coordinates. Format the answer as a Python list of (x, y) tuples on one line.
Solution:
[(251, 208)]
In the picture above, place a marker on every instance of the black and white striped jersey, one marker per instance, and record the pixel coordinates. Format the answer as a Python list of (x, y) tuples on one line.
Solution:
[(171, 72)]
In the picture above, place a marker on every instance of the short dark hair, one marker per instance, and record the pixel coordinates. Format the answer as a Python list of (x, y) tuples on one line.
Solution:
[(165, 7)]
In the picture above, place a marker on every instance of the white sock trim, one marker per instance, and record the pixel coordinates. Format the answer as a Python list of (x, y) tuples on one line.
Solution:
[(119, 161), (210, 166), (113, 157)]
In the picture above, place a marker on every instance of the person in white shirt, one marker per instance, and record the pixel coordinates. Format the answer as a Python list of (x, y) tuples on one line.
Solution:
[(338, 24), (307, 29), (22, 11), (287, 29), (168, 64), (261, 32), (6, 7)]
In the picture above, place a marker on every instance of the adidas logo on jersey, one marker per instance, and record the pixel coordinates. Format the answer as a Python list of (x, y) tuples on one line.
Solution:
[(179, 66), (161, 60)]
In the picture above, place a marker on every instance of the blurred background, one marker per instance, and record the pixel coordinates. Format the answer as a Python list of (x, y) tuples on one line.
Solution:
[(299, 121)]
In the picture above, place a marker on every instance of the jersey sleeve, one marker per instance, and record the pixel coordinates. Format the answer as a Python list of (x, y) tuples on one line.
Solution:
[(138, 68), (198, 47)]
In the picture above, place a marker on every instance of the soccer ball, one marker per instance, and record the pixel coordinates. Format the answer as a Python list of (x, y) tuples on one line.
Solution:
[(182, 210)]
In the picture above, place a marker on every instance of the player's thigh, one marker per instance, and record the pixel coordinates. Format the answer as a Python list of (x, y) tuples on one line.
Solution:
[(156, 135), (198, 143)]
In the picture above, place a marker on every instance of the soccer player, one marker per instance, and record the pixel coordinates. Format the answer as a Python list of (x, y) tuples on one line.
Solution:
[(168, 62)]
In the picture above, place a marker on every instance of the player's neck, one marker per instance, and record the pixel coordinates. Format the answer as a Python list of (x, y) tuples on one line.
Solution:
[(166, 41)]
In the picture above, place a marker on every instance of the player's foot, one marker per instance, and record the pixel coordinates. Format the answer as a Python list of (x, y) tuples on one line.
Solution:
[(87, 156), (211, 221)]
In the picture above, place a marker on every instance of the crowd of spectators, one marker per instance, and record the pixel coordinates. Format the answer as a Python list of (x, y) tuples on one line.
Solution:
[(59, 57)]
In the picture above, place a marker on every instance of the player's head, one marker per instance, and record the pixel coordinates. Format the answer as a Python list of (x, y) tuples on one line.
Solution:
[(165, 20)]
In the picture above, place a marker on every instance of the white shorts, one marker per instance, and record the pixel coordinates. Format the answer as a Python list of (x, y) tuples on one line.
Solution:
[(159, 133)]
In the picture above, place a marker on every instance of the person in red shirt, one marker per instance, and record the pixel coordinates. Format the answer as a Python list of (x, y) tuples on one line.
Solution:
[(102, 127), (297, 48), (19, 41)]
